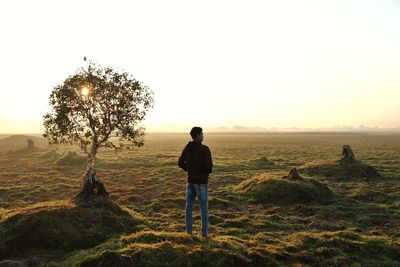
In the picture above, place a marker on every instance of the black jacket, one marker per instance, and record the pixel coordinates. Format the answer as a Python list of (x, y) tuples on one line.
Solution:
[(196, 160)]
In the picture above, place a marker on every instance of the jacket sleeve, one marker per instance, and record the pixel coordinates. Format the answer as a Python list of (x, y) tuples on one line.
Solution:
[(208, 163), (182, 160)]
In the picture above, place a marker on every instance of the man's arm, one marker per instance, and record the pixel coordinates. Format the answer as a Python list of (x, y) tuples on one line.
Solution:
[(208, 163), (182, 160)]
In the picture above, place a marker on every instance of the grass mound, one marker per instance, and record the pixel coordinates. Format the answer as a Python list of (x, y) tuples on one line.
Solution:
[(51, 155), (16, 142), (341, 248), (72, 159), (265, 189), (373, 196), (344, 170), (64, 226), (151, 248), (25, 151)]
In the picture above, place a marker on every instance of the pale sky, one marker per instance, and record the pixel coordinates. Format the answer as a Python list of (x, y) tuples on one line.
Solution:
[(306, 64)]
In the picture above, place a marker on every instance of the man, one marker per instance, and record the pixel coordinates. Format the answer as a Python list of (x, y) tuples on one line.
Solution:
[(196, 160)]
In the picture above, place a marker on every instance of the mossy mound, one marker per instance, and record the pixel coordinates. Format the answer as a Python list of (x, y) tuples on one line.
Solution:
[(51, 155), (72, 159), (16, 142), (341, 248), (64, 226), (265, 189), (342, 169), (151, 248), (24, 151), (373, 196)]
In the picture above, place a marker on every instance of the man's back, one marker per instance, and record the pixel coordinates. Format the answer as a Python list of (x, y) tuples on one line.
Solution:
[(196, 160)]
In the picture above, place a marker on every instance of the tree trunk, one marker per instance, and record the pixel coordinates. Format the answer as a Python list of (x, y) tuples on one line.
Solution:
[(293, 174), (91, 184), (348, 155)]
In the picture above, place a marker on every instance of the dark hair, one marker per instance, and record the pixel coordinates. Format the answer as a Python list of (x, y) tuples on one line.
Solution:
[(195, 131)]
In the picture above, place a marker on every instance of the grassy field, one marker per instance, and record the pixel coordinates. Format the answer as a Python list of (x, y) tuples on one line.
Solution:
[(143, 224)]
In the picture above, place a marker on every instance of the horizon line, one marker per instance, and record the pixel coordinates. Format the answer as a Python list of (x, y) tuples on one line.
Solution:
[(392, 130)]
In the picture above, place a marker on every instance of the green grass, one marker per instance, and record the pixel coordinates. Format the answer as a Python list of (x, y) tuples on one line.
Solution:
[(342, 248), (257, 218), (151, 248)]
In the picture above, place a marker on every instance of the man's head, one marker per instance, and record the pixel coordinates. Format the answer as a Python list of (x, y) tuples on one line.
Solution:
[(197, 134)]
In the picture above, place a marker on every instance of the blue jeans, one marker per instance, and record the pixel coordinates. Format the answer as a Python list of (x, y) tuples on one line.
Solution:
[(201, 191)]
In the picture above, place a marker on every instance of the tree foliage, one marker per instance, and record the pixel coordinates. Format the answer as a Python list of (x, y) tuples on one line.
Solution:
[(98, 106)]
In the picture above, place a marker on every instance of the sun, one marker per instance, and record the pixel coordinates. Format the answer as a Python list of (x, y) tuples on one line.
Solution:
[(85, 91)]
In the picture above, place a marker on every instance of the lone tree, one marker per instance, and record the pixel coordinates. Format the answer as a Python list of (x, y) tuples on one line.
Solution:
[(97, 107)]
